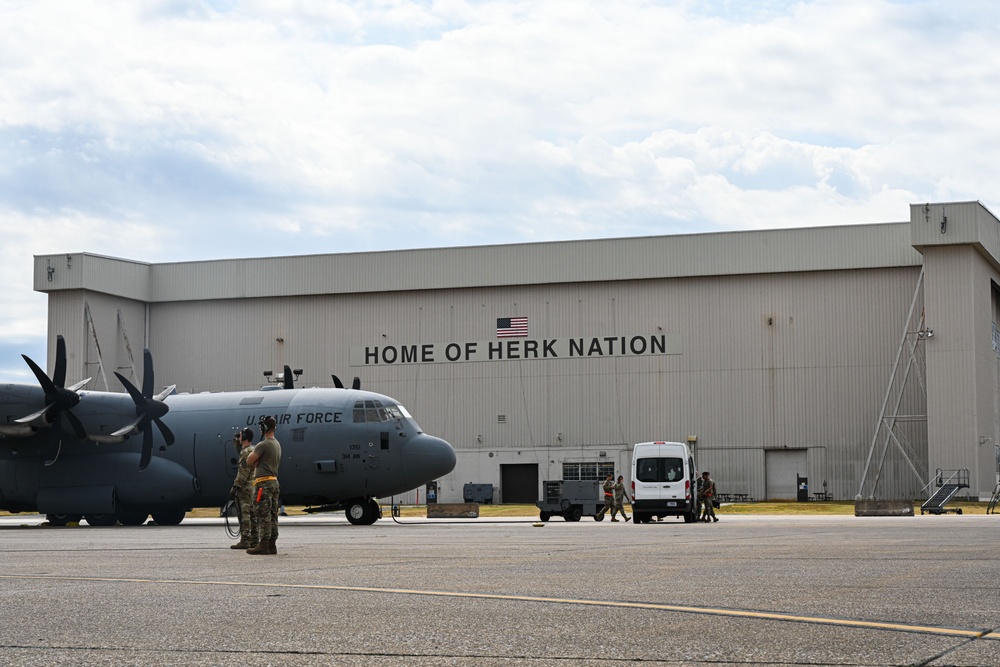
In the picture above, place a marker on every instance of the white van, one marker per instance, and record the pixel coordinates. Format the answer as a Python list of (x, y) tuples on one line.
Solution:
[(663, 481)]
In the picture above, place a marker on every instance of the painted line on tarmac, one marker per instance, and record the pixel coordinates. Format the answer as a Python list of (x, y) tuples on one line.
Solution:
[(685, 609)]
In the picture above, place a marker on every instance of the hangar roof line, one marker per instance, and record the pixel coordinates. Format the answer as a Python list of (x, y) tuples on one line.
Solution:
[(880, 245)]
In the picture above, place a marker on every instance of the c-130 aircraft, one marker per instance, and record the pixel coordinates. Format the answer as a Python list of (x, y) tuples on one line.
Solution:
[(112, 457)]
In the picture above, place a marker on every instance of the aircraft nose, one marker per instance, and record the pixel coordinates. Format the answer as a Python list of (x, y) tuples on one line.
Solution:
[(427, 457)]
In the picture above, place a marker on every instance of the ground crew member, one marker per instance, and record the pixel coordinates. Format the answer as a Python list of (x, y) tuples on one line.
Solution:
[(707, 496), (698, 498), (609, 496), (242, 494), (620, 497), (266, 457)]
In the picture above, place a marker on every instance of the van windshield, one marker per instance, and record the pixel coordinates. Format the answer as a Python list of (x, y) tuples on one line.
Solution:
[(669, 469)]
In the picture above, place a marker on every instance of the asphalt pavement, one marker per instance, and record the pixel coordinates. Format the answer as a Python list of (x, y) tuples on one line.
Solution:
[(749, 590)]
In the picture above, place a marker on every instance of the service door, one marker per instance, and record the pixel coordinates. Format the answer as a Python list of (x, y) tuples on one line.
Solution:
[(519, 483), (782, 468)]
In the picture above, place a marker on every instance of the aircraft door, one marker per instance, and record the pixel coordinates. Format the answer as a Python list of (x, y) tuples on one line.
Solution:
[(231, 458)]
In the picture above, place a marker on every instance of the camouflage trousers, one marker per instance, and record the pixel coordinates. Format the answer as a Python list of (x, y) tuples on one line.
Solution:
[(619, 507), (609, 505), (266, 509), (248, 520)]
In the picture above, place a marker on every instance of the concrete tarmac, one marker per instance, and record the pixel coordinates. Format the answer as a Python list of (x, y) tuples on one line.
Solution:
[(749, 590)]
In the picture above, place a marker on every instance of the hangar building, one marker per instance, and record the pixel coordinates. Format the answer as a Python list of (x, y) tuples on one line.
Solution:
[(856, 360)]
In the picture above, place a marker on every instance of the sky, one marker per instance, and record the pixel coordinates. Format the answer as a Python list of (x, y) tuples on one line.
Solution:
[(178, 130)]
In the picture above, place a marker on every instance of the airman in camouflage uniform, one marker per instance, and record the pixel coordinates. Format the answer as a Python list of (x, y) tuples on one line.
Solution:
[(619, 499), (265, 458), (242, 492), (609, 497)]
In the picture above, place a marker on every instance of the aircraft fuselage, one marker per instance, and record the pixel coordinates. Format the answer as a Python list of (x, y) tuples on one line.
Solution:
[(339, 446)]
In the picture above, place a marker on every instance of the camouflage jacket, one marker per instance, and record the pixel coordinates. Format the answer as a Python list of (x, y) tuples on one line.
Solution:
[(243, 479)]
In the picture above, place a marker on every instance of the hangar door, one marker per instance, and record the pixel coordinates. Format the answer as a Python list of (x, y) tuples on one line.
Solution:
[(519, 483), (781, 470)]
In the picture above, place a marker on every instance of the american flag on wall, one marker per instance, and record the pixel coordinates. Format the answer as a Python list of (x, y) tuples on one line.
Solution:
[(512, 327)]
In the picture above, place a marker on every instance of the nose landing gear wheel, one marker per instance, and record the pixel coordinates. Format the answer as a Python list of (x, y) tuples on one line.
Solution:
[(362, 512)]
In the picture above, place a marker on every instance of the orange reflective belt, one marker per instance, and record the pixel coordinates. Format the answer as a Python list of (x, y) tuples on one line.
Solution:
[(270, 478)]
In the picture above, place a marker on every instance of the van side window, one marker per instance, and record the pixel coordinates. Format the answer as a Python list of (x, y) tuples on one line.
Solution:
[(659, 470)]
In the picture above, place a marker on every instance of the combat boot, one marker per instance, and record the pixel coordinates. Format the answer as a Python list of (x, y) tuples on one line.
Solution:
[(241, 545), (272, 548), (261, 549)]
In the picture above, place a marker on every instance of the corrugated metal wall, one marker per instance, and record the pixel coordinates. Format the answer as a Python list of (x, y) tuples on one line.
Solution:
[(785, 340), (771, 361)]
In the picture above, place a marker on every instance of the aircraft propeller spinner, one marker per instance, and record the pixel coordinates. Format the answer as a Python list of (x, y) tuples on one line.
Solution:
[(148, 408), (59, 399)]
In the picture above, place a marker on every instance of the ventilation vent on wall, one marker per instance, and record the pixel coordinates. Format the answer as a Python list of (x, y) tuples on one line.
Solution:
[(501, 419)]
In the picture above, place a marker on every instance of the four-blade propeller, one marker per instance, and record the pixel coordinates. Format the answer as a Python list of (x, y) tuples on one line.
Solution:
[(59, 399), (148, 408)]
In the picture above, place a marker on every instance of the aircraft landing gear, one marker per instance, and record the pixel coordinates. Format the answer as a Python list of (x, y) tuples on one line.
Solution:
[(171, 517), (62, 519), (127, 517), (363, 512), (101, 519)]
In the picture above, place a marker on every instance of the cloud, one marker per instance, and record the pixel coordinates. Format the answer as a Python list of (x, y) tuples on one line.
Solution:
[(183, 129)]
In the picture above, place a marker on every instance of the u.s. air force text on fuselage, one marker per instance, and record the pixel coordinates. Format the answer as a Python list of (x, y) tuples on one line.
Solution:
[(517, 349), (300, 418)]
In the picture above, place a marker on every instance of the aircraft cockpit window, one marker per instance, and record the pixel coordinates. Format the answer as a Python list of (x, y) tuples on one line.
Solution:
[(374, 412)]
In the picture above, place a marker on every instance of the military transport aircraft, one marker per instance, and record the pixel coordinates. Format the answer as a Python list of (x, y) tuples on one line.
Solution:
[(120, 457)]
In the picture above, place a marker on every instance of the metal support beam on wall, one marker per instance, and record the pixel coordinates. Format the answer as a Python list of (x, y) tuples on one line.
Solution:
[(888, 429)]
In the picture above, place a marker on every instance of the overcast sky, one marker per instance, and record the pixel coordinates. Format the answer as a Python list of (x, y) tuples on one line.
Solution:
[(185, 129)]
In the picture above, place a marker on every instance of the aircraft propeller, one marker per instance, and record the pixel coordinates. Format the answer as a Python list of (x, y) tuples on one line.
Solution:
[(59, 399), (148, 408)]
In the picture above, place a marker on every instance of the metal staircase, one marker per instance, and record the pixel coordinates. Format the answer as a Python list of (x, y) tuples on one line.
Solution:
[(991, 508), (948, 482)]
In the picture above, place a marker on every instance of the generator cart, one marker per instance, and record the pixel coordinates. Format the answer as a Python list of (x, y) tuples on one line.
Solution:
[(571, 500)]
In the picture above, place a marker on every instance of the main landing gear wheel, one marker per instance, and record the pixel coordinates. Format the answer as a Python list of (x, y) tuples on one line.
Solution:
[(132, 517), (168, 517), (362, 512), (101, 519), (62, 519)]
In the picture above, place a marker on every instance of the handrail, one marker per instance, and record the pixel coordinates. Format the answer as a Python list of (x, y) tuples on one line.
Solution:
[(959, 477)]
